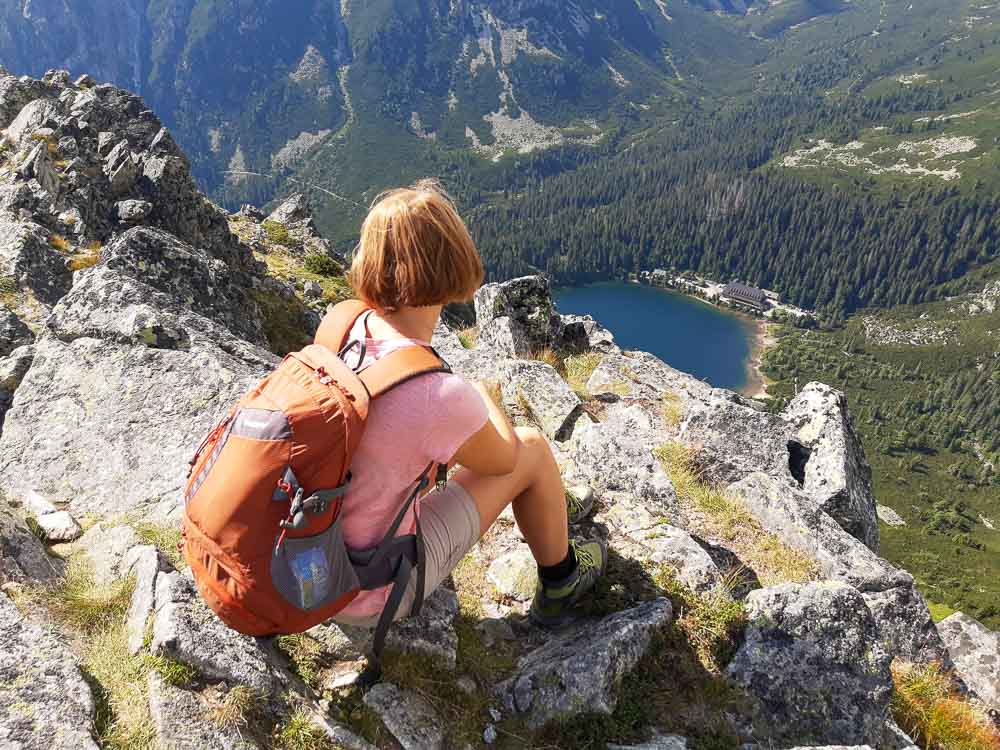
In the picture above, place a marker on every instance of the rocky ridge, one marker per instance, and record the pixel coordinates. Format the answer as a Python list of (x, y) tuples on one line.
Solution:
[(112, 369)]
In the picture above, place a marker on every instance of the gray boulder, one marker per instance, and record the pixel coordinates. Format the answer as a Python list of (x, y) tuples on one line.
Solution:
[(106, 546), (186, 630), (733, 439), (642, 377), (615, 458), (12, 372), (25, 255), (33, 116), (45, 703), (411, 719), (813, 664), (72, 431), (15, 93), (132, 211), (13, 332), (149, 274), (659, 742), (900, 612), (538, 388), (183, 721), (560, 680), (975, 652), (59, 527), (143, 562), (23, 559), (517, 318), (836, 472), (583, 333), (38, 166), (293, 209)]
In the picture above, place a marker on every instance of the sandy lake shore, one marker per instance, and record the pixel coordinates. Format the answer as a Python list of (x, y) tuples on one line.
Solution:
[(763, 339)]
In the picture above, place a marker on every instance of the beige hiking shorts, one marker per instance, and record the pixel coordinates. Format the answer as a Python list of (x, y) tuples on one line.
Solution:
[(449, 520)]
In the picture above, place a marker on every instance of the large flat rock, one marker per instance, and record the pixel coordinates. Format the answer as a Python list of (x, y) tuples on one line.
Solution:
[(45, 703)]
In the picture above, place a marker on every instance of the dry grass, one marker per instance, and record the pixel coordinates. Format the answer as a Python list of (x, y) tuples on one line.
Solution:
[(86, 257), (469, 337), (728, 519), (60, 243), (711, 623), (549, 356), (578, 369), (241, 707), (927, 708), (672, 409)]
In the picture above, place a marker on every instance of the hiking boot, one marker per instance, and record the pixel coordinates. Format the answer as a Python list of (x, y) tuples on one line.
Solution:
[(579, 503), (553, 601)]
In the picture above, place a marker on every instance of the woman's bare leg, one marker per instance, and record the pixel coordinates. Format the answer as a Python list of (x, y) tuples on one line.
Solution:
[(535, 489)]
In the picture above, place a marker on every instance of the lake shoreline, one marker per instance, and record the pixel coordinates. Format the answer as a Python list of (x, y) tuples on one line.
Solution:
[(763, 339)]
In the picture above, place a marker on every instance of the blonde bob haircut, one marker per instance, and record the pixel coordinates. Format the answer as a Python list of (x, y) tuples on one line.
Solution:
[(415, 251)]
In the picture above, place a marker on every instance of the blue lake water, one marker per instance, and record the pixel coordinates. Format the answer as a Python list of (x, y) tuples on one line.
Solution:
[(688, 334)]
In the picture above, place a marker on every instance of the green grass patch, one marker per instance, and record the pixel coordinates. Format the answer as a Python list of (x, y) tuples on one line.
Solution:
[(299, 733), (469, 337), (284, 322), (305, 654), (166, 539), (277, 233), (322, 265)]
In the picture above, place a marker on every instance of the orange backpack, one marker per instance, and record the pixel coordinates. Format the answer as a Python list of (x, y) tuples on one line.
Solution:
[(262, 529)]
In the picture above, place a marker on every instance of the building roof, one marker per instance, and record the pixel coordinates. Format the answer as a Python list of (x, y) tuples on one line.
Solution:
[(741, 291)]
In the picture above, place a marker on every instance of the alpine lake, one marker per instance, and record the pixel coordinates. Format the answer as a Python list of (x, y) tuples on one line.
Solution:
[(696, 337)]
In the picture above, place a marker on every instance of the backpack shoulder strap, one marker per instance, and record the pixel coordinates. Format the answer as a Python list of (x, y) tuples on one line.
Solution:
[(400, 366), (337, 324)]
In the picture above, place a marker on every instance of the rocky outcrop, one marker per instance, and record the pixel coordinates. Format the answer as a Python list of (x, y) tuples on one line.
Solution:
[(560, 679), (23, 559), (835, 473), (411, 719), (810, 663), (900, 612), (975, 652), (45, 703), (186, 630), (539, 389), (183, 721)]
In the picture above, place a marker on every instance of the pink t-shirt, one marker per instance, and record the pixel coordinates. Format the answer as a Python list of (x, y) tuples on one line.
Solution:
[(425, 419)]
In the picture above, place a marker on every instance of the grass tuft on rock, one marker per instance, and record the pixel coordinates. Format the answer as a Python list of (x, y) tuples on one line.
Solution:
[(277, 233), (173, 672), (577, 370), (305, 654), (166, 539), (549, 356), (86, 257), (322, 265), (60, 243), (300, 733), (672, 409), (240, 708), (728, 519), (469, 337), (79, 602), (927, 707)]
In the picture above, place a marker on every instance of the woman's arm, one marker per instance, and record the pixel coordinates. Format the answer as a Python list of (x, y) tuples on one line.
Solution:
[(493, 450)]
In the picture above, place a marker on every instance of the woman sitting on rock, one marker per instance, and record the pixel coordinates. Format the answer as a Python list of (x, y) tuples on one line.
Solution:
[(415, 256)]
